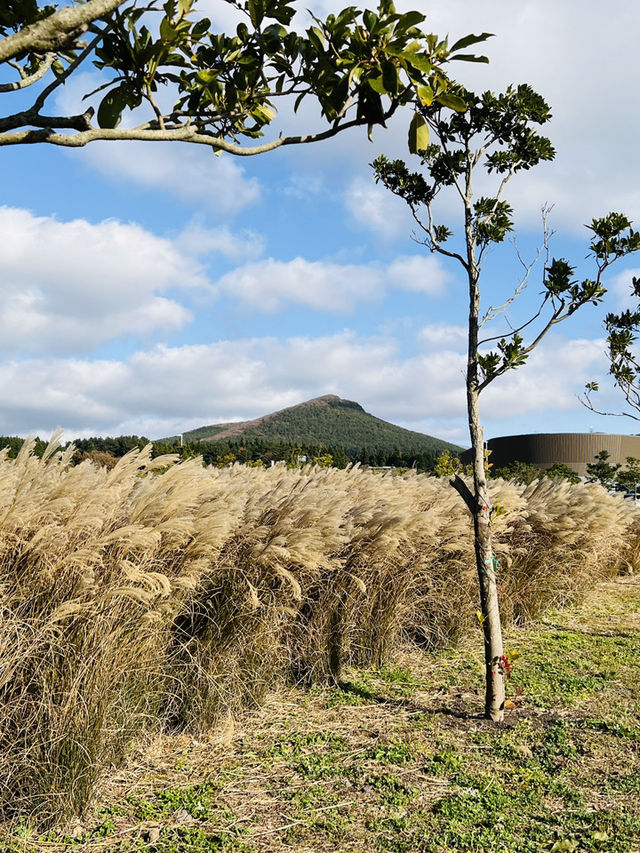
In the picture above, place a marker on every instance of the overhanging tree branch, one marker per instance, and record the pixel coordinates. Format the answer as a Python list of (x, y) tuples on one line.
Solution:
[(145, 133), (58, 31), (223, 86)]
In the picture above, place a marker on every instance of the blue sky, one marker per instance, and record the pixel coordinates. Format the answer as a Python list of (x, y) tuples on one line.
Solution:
[(152, 288)]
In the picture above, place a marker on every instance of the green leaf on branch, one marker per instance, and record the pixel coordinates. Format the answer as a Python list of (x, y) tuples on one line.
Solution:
[(370, 108), (411, 19), (470, 57), (184, 7), (370, 19), (111, 107), (425, 94), (390, 77), (206, 76), (419, 61), (256, 12), (168, 33), (454, 102), (263, 114), (469, 40), (316, 37), (418, 134), (558, 277), (377, 84)]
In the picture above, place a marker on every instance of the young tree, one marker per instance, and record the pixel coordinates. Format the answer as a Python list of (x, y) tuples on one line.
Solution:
[(628, 478), (359, 66), (561, 471), (446, 465), (602, 471), (519, 472), (495, 134)]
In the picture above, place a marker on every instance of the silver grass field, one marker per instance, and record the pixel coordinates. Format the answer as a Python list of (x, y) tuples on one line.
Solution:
[(163, 595)]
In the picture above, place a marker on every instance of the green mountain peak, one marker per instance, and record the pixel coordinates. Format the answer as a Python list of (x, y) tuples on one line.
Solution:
[(328, 420)]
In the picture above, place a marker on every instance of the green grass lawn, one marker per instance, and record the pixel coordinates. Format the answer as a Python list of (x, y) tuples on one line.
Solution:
[(401, 759)]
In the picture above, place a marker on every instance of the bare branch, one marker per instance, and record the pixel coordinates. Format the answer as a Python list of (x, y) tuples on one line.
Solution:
[(29, 80), (557, 317), (586, 402), (492, 312), (432, 244), (77, 122), (461, 192), (465, 492), (155, 108), (511, 330), (18, 68)]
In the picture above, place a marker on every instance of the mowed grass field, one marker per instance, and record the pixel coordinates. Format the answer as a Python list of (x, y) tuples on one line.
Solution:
[(400, 759)]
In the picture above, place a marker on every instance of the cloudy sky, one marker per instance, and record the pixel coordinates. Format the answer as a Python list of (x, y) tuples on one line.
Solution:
[(151, 288)]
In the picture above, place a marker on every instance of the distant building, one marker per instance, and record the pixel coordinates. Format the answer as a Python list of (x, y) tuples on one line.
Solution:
[(576, 449)]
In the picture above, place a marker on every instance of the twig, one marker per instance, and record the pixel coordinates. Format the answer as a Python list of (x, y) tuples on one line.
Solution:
[(28, 80)]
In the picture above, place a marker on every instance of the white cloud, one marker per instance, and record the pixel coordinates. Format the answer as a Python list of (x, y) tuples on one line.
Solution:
[(303, 185), (530, 389), (443, 336), (419, 274), (621, 288), (375, 208), (197, 240), (326, 286), (189, 172), (67, 287), (319, 285)]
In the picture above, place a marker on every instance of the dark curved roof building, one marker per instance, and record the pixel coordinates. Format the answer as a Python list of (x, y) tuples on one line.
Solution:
[(576, 449)]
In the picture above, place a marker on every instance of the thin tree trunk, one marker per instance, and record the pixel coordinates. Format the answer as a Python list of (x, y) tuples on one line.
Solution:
[(479, 505), (485, 564), (479, 502)]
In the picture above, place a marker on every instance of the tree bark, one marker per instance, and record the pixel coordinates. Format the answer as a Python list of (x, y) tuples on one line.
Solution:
[(57, 30), (486, 567)]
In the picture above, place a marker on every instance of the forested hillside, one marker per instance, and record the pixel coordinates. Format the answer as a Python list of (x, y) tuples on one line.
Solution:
[(327, 421), (326, 431)]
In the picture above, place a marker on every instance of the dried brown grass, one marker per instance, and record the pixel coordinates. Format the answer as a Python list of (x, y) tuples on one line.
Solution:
[(157, 594)]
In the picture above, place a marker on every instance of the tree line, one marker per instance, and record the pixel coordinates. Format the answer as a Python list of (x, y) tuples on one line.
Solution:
[(257, 451), (262, 452)]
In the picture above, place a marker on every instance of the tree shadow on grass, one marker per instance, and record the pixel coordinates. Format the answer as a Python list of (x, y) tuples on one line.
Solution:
[(453, 709), (607, 635)]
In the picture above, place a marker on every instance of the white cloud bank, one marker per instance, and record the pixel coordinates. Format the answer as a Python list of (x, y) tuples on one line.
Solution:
[(166, 390), (67, 287)]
